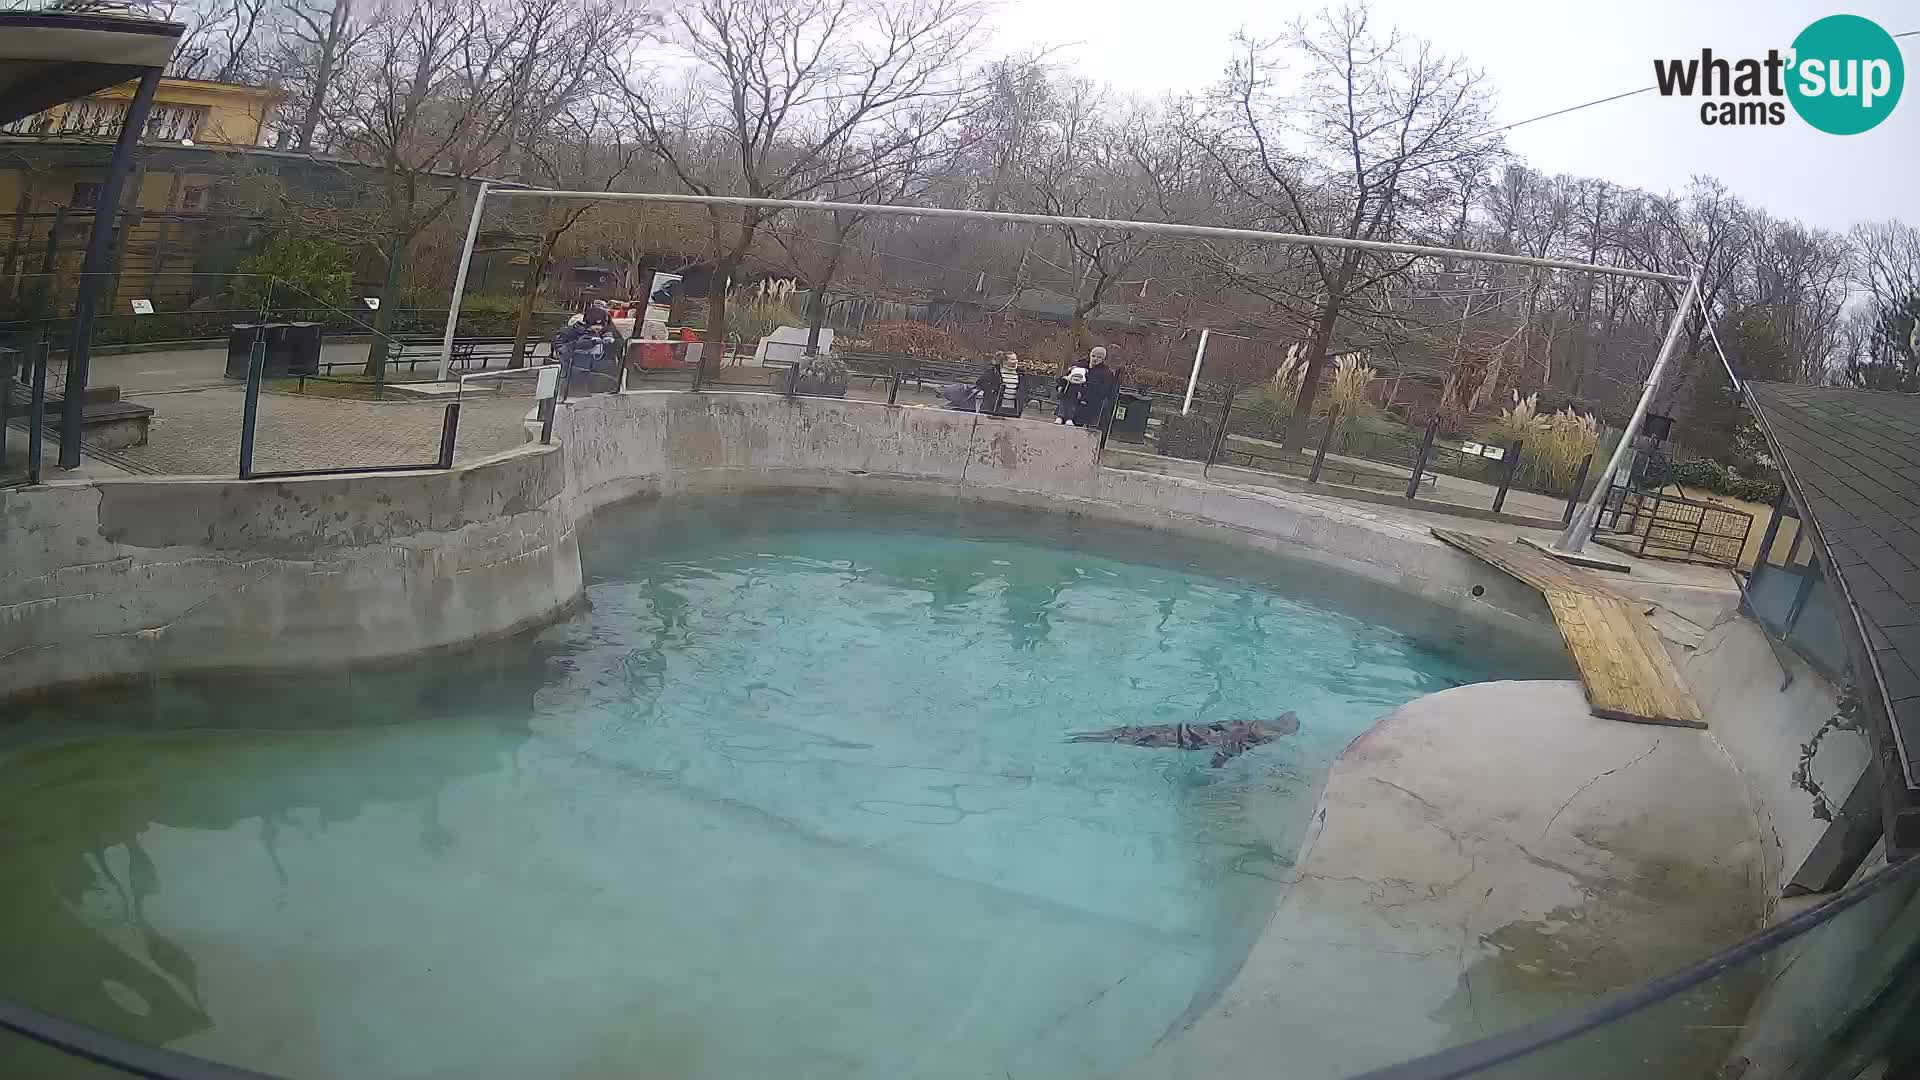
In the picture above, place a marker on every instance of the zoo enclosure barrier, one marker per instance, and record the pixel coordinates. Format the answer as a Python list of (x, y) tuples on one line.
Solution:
[(1382, 456), (1656, 525)]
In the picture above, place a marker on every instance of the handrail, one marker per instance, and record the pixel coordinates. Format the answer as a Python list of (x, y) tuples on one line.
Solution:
[(112, 1051), (139, 1059), (1495, 1050)]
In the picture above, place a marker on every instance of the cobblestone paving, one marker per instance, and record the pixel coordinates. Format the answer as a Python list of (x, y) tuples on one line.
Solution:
[(197, 433)]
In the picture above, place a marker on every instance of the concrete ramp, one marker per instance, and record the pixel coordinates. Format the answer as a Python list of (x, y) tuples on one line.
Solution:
[(1623, 666)]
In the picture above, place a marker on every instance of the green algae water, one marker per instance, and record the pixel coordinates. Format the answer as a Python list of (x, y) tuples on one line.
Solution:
[(790, 800)]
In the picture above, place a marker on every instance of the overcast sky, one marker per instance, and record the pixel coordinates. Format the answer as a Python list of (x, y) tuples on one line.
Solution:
[(1542, 55)]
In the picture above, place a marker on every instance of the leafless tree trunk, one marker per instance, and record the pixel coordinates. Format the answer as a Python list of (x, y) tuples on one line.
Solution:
[(788, 99)]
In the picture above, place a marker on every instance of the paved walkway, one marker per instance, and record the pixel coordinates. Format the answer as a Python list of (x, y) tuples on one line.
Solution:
[(197, 433)]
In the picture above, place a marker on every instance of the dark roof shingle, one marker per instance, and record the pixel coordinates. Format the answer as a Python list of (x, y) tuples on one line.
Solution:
[(1850, 456)]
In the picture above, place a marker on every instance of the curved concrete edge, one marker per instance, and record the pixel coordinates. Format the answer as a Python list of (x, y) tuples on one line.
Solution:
[(1780, 721), (1443, 893), (110, 578), (105, 579), (670, 442)]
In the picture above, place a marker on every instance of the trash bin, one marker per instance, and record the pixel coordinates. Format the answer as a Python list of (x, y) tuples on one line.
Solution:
[(1130, 416), (240, 338), (292, 348), (300, 354)]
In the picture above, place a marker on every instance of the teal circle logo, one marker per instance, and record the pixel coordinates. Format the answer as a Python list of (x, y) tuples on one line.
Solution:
[(1847, 74)]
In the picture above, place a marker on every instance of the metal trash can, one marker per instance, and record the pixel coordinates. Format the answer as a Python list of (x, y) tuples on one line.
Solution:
[(1130, 409), (240, 337), (300, 350)]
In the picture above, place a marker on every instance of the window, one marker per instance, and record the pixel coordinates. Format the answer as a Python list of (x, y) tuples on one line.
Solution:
[(174, 123), (86, 195), (90, 117)]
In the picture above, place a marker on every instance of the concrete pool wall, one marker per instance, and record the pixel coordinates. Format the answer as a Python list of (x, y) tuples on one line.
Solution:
[(112, 578), (664, 442), (106, 579)]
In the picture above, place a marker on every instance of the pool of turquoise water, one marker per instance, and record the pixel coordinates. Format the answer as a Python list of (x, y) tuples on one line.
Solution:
[(791, 798)]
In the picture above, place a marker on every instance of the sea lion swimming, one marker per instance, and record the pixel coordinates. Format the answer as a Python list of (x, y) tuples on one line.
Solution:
[(1229, 739)]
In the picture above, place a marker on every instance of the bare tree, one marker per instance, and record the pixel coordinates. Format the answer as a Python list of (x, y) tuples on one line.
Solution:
[(577, 149), (1383, 125), (320, 40), (224, 40), (425, 105), (787, 99)]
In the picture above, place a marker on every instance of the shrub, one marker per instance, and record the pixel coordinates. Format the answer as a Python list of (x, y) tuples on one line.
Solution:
[(295, 271), (1189, 437), (914, 339), (1521, 420), (754, 319), (1721, 480), (1160, 382)]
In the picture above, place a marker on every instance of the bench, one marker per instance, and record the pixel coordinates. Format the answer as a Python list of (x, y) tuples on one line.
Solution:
[(106, 422), (469, 353)]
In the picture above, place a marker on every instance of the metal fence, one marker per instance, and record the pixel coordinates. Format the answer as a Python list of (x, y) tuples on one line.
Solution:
[(1661, 526), (1377, 455)]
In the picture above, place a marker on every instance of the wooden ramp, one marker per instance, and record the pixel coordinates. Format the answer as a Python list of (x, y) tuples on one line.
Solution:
[(1622, 663)]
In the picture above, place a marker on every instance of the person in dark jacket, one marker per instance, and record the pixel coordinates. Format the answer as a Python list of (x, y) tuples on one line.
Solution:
[(1096, 397), (990, 387)]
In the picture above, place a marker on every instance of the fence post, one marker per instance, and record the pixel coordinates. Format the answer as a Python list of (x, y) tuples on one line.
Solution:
[(449, 428), (250, 408), (1772, 533), (893, 388), (37, 409), (1420, 462), (1513, 466), (6, 403), (1220, 436), (793, 380), (1579, 482), (1320, 455)]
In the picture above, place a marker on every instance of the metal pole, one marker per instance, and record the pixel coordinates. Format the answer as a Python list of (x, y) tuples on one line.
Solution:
[(1579, 481), (1159, 228), (1220, 436), (1320, 455), (1420, 462), (450, 430), (1773, 531), (1581, 529), (37, 410), (893, 388), (1193, 380), (460, 282), (250, 406), (74, 396), (1513, 466), (6, 400)]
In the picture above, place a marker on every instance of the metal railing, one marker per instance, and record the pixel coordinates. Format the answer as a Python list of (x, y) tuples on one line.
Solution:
[(1661, 526), (126, 9)]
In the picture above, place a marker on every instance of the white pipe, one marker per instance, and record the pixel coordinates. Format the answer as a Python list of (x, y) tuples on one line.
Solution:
[(1194, 379), (1581, 529), (1150, 227), (460, 282)]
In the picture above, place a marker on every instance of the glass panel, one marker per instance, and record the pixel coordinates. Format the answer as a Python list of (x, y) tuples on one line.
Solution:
[(1828, 1004), (24, 1057)]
